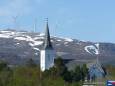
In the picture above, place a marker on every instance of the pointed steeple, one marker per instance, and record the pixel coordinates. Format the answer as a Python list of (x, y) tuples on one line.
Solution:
[(47, 41)]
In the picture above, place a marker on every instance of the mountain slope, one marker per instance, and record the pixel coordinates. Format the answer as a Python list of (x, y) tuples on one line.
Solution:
[(16, 47)]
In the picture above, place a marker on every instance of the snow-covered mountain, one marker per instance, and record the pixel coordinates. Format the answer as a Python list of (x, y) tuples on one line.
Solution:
[(16, 47)]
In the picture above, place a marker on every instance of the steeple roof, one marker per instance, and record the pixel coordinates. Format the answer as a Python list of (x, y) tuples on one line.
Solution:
[(47, 41)]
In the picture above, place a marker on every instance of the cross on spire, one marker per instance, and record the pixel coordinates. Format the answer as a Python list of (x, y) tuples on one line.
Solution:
[(46, 20)]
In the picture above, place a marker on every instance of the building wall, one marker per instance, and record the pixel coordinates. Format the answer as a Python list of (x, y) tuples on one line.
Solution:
[(42, 60), (47, 59)]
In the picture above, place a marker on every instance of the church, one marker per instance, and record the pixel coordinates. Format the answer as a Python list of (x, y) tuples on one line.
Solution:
[(96, 71), (47, 53)]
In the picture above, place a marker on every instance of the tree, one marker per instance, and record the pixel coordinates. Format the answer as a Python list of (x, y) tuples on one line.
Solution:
[(76, 74), (67, 76), (60, 66), (5, 74), (26, 76), (3, 65), (31, 63), (84, 72), (59, 70)]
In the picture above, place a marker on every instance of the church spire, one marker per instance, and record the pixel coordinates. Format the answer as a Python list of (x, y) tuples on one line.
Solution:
[(47, 41), (47, 54)]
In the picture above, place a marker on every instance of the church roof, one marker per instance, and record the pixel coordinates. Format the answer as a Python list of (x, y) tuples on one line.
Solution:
[(96, 69), (47, 40)]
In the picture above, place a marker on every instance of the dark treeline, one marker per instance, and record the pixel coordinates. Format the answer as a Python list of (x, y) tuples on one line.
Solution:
[(30, 75)]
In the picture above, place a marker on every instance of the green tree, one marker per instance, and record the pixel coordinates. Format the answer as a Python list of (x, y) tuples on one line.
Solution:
[(76, 74), (59, 70), (60, 66), (26, 76), (3, 65), (31, 63), (67, 76), (84, 72), (5, 74)]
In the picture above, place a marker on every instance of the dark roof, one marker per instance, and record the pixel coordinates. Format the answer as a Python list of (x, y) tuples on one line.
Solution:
[(96, 70), (47, 41)]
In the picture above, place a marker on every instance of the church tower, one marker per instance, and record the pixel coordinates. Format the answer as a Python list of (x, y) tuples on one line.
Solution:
[(47, 54)]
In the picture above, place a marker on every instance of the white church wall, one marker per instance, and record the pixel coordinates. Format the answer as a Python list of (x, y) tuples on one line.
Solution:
[(42, 60), (47, 59)]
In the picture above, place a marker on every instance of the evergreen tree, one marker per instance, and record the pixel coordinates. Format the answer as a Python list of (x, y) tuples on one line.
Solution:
[(30, 63), (5, 74), (3, 65), (84, 72), (60, 66), (76, 74)]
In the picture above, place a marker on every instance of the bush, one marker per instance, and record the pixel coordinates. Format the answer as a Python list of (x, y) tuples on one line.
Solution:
[(30, 75)]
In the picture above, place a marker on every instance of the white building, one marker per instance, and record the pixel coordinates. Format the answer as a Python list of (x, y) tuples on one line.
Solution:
[(47, 54)]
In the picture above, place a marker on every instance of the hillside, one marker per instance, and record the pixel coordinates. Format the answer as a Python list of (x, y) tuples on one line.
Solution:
[(16, 47)]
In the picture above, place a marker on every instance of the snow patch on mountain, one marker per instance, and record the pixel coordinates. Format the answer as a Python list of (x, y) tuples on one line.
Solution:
[(58, 40), (37, 38), (8, 32), (4, 36), (21, 38), (68, 39), (65, 43), (41, 34), (92, 49), (35, 43), (17, 43), (36, 49), (29, 39), (38, 43), (63, 38), (36, 54)]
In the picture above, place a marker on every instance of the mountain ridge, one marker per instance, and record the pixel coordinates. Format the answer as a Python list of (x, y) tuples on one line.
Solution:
[(16, 47)]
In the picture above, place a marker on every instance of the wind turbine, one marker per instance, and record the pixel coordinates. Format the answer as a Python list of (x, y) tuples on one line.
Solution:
[(15, 23), (35, 24)]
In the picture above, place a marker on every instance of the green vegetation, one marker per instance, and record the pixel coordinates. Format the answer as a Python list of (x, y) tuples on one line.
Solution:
[(30, 75), (110, 72)]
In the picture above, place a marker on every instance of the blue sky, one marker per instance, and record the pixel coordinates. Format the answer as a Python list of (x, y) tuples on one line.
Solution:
[(90, 20)]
